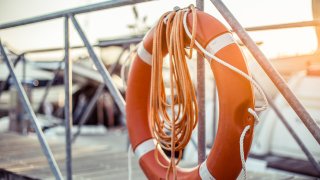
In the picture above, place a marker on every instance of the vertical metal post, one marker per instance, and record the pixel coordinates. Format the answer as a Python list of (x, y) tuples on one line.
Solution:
[(68, 99), (273, 74), (27, 106), (201, 101), (101, 68)]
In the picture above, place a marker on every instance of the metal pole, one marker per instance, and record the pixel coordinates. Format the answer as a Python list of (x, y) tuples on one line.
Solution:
[(79, 10), (101, 68), (49, 85), (294, 135), (270, 70), (68, 99), (115, 42), (201, 101), (88, 111), (284, 26), (27, 106), (6, 82)]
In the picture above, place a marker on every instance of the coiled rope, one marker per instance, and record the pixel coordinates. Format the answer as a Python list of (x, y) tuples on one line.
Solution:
[(172, 130)]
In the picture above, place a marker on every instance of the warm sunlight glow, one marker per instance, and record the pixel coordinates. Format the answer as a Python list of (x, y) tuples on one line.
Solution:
[(114, 22)]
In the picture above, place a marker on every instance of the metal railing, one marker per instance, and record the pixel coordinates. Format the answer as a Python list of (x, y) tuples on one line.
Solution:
[(27, 106), (74, 11), (237, 28), (67, 14)]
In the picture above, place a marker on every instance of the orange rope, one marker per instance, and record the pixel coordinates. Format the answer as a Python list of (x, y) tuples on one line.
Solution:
[(174, 131)]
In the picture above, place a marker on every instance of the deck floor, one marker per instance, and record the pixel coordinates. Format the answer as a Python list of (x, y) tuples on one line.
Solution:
[(22, 155), (104, 158)]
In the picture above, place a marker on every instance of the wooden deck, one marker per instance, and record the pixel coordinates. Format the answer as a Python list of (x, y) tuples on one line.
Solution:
[(22, 156)]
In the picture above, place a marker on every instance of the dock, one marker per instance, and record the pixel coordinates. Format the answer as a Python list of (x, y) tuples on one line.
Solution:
[(21, 158)]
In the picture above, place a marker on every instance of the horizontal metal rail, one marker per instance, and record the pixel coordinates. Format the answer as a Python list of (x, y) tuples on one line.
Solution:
[(135, 40), (273, 74), (117, 42), (79, 10), (284, 26)]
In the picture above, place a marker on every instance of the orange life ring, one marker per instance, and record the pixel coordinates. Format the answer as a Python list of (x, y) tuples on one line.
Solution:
[(235, 97)]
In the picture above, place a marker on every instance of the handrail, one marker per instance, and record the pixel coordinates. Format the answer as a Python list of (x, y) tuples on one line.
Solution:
[(284, 25), (70, 13), (79, 10), (138, 39), (116, 42)]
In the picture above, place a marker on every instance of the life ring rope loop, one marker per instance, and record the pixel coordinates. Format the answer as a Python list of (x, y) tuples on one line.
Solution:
[(210, 55)]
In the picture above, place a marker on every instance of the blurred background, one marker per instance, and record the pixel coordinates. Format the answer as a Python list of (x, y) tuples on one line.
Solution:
[(286, 31)]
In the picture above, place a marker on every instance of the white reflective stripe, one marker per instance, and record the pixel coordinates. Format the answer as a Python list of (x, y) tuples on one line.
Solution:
[(144, 148), (144, 55), (204, 172), (219, 42)]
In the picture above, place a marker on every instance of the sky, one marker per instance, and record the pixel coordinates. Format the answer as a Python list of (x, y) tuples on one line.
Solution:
[(113, 22)]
